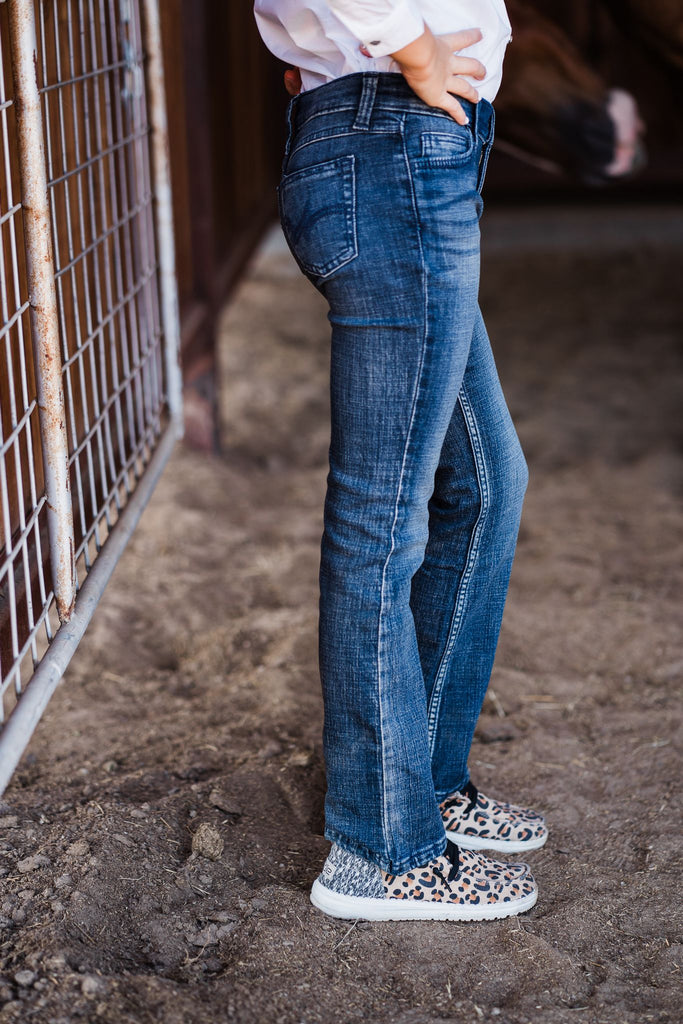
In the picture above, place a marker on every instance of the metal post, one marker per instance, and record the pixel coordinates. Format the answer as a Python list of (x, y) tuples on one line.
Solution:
[(43, 303), (170, 316)]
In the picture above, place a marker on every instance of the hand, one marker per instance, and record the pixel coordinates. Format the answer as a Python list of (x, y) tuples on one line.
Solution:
[(293, 81), (433, 71)]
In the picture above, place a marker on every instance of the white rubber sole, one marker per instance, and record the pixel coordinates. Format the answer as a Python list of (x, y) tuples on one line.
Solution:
[(500, 845), (366, 908)]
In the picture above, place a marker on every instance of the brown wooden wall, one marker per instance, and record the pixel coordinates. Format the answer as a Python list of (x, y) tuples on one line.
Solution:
[(226, 108)]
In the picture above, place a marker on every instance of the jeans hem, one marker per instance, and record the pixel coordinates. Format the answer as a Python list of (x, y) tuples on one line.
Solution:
[(441, 794), (421, 857)]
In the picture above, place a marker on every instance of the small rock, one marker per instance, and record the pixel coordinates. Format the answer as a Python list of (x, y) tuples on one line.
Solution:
[(56, 962), (78, 849), (223, 917), (268, 750), (124, 840), (497, 733), (135, 813), (300, 758), (57, 907), (5, 923), (110, 766), (63, 881), (9, 821), (10, 1007), (25, 978), (206, 937), (91, 986), (206, 842), (224, 803), (38, 860)]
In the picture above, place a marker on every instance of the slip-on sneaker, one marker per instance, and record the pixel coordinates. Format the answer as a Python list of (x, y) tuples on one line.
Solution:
[(460, 885), (477, 822)]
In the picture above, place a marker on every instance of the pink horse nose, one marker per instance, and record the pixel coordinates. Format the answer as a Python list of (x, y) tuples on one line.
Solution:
[(629, 152)]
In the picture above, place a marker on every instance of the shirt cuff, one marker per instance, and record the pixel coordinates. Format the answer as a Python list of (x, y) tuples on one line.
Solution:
[(381, 37)]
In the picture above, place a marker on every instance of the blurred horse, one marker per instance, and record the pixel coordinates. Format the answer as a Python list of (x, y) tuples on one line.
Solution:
[(554, 110)]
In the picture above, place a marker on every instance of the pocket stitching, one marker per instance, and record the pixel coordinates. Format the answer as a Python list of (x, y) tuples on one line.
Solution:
[(345, 165), (428, 157)]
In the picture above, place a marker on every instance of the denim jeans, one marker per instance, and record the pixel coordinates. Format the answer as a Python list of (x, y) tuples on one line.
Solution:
[(380, 204)]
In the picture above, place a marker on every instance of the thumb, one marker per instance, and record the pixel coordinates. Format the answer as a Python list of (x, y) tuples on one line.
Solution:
[(461, 40)]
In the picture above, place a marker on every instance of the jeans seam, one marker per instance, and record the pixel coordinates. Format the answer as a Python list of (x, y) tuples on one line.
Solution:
[(468, 572), (342, 133), (399, 491)]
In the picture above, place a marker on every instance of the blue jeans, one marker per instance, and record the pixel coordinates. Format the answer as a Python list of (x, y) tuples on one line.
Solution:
[(380, 204)]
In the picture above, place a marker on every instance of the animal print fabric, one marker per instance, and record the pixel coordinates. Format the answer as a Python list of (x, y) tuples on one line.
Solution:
[(468, 812), (478, 880), (351, 875)]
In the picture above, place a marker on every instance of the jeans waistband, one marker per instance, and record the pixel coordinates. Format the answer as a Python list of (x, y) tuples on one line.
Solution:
[(370, 91)]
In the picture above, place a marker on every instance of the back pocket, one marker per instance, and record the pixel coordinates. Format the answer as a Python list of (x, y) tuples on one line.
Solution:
[(318, 215)]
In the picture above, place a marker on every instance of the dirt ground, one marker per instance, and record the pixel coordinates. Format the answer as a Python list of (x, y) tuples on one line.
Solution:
[(194, 699)]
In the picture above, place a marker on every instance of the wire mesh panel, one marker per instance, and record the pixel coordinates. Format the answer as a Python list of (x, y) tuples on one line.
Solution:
[(25, 596), (100, 191), (98, 284)]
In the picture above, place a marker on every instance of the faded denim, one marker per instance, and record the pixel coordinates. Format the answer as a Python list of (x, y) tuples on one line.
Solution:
[(380, 203)]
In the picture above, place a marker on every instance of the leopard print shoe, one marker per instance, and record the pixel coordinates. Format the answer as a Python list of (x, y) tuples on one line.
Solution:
[(460, 885), (476, 822)]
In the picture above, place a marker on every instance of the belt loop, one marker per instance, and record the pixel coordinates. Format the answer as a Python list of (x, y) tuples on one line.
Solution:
[(475, 118), (367, 101)]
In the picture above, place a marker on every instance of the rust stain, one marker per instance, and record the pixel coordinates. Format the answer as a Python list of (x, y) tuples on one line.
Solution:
[(43, 303)]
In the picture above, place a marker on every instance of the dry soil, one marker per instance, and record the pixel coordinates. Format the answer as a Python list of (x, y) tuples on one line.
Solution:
[(158, 842)]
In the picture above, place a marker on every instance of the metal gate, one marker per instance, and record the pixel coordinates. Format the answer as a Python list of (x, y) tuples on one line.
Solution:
[(90, 390)]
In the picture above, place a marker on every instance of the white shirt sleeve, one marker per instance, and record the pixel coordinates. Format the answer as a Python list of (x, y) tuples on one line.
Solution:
[(382, 26)]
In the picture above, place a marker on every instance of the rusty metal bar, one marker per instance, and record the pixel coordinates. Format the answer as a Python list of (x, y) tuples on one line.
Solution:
[(161, 166), (43, 303)]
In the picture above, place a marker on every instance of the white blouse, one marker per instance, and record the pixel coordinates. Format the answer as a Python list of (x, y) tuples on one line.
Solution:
[(329, 38)]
